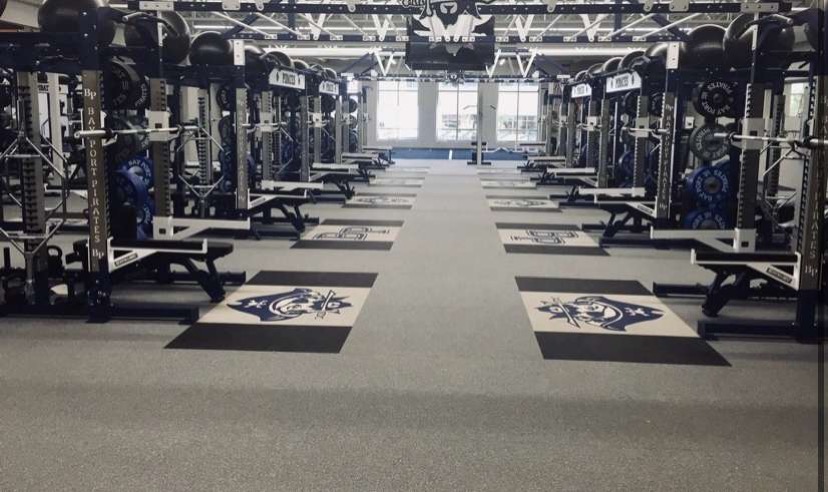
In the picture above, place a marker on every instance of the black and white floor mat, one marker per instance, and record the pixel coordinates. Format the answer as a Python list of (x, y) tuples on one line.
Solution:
[(407, 170), (283, 312), (609, 320), (517, 203), (397, 182), (378, 235), (508, 184), (553, 239), (498, 170), (398, 201)]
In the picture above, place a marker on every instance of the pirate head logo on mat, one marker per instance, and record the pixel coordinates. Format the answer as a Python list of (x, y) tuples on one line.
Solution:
[(291, 305), (600, 312)]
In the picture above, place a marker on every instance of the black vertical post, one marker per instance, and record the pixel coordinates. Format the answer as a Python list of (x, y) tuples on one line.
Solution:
[(242, 185), (98, 288), (669, 159)]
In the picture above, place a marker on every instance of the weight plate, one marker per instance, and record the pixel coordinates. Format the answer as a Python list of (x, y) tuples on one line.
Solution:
[(328, 103), (144, 215), (627, 138), (715, 98), (141, 167), (655, 104), (353, 141), (287, 151), (142, 96), (582, 156), (125, 146), (252, 169), (292, 102), (226, 159), (227, 185), (5, 93), (353, 105), (129, 189), (709, 185), (705, 145), (630, 103), (120, 85), (625, 169), (705, 219), (225, 97), (227, 129)]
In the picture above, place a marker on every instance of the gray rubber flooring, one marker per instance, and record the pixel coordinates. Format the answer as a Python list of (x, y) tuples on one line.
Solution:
[(440, 385)]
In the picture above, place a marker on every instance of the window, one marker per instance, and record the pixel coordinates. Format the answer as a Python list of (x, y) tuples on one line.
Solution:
[(797, 99), (457, 111), (397, 110), (517, 112), (353, 86)]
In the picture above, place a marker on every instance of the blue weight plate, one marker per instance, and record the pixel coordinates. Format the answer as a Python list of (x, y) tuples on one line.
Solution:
[(705, 219), (141, 167), (129, 189), (709, 185)]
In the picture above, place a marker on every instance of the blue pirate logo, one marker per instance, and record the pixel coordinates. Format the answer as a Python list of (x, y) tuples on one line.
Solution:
[(291, 305), (600, 312), (555, 238), (352, 233)]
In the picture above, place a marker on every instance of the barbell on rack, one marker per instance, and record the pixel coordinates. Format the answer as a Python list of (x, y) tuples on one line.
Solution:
[(809, 142), (109, 132)]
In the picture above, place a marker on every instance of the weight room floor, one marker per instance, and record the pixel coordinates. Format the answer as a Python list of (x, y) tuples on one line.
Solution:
[(440, 384)]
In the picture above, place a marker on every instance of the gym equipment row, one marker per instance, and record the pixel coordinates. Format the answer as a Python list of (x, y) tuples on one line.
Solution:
[(682, 144), (114, 142)]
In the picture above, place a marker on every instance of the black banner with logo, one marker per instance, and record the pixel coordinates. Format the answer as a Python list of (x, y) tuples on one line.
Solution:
[(450, 35)]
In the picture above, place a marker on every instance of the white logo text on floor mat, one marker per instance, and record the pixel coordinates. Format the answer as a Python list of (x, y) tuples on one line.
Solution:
[(545, 237), (351, 233), (518, 203), (378, 201)]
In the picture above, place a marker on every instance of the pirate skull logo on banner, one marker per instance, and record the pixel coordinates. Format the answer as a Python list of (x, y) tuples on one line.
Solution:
[(449, 35)]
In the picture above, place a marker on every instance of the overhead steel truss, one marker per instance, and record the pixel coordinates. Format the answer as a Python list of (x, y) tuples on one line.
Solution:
[(529, 23), (552, 7), (368, 38)]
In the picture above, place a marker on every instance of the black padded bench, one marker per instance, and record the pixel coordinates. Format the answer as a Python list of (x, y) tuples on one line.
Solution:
[(170, 252)]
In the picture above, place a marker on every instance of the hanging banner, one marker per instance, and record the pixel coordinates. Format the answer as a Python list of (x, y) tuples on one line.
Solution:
[(449, 35)]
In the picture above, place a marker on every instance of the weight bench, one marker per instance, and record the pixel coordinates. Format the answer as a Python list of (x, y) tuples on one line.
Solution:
[(776, 270), (152, 259), (383, 153), (551, 174), (477, 154), (340, 175), (624, 216), (366, 162), (533, 162), (285, 196)]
